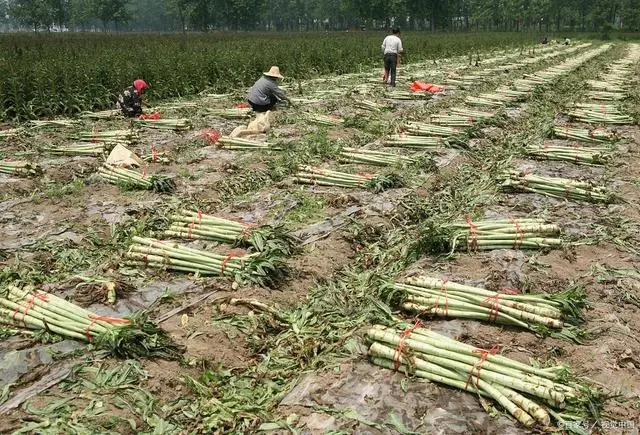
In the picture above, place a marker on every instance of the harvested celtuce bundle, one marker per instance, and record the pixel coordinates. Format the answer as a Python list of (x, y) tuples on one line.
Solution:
[(452, 120), (196, 225), (411, 141), (598, 135), (235, 113), (423, 129), (369, 105), (237, 143), (165, 124), (324, 120), (555, 315), (112, 137), (370, 157), (54, 123), (327, 177), (476, 115), (486, 100), (134, 179), (10, 132), (597, 117), (606, 96), (488, 235), (20, 168), (263, 268), (133, 337), (80, 149), (523, 181), (105, 114), (591, 155), (530, 394)]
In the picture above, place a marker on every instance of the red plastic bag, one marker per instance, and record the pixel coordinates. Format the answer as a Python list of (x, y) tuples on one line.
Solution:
[(211, 135), (419, 86), (151, 115)]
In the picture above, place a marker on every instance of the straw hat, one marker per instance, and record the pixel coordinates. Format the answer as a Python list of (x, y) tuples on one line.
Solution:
[(274, 72)]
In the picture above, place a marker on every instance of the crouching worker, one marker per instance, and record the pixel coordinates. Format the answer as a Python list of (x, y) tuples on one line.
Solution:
[(265, 93), (130, 100)]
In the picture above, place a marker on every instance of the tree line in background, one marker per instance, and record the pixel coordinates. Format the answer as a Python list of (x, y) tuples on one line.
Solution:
[(296, 15)]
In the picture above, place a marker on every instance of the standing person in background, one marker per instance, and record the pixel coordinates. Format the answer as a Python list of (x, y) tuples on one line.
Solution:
[(391, 51), (265, 93), (130, 100)]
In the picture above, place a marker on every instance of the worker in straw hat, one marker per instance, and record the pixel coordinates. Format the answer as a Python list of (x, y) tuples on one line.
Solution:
[(265, 93), (130, 100)]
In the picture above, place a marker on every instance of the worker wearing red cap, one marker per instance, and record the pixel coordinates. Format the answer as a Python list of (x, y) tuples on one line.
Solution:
[(130, 100)]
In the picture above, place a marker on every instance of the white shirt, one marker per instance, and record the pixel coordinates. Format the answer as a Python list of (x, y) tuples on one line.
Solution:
[(391, 45)]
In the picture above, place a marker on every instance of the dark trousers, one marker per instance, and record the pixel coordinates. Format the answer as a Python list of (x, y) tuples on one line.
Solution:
[(263, 107), (390, 63)]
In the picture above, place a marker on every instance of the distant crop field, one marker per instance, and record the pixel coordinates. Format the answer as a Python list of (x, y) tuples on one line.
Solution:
[(63, 74)]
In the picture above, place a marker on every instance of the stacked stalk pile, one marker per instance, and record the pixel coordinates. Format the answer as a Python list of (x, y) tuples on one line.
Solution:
[(592, 155), (105, 114), (237, 143), (493, 234), (423, 129), (476, 115), (370, 106), (452, 120), (180, 124), (606, 96), (27, 169), (114, 137), (550, 315), (413, 141), (54, 123), (596, 135), (327, 177), (486, 100), (236, 113), (561, 188), (125, 338), (136, 180), (195, 225), (262, 268), (530, 394), (80, 149), (370, 157), (599, 117), (324, 120)]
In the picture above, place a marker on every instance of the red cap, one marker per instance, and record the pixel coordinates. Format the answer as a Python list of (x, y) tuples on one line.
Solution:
[(140, 85)]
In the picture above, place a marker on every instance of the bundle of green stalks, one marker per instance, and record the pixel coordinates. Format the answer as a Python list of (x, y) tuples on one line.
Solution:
[(179, 105), (556, 315), (104, 114), (595, 135), (22, 168), (235, 113), (423, 129), (398, 94), (370, 157), (327, 177), (10, 132), (134, 337), (598, 85), (135, 180), (54, 123), (597, 117), (476, 115), (599, 107), (194, 225), (506, 94), (80, 149), (368, 105), (263, 268), (237, 143), (532, 395), (417, 142), (124, 137), (486, 100), (179, 124), (592, 155), (606, 96), (324, 120), (486, 235), (560, 188), (452, 120)]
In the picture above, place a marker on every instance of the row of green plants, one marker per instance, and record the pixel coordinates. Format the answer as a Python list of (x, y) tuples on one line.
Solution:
[(49, 75)]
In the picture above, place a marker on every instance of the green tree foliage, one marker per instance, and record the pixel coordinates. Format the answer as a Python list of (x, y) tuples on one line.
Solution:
[(207, 15)]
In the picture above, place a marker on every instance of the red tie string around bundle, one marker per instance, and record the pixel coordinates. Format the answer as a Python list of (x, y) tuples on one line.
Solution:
[(32, 299), (477, 367), (443, 290), (402, 345), (111, 320), (493, 302), (519, 237), (473, 233), (226, 260)]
